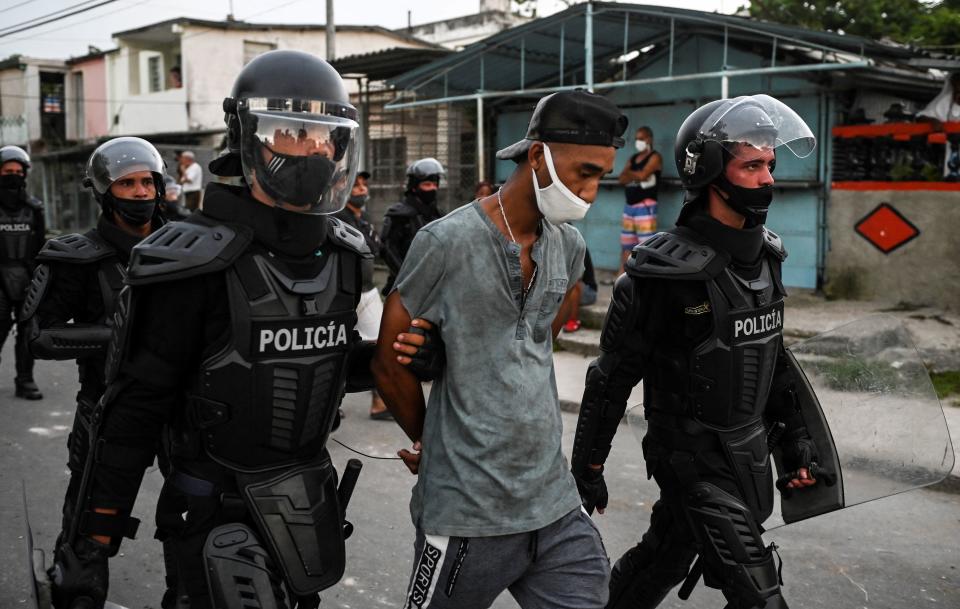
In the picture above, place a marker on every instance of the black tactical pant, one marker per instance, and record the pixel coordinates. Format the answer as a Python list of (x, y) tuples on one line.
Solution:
[(9, 312), (646, 573)]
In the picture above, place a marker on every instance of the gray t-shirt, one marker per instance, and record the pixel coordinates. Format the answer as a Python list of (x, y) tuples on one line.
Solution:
[(492, 463)]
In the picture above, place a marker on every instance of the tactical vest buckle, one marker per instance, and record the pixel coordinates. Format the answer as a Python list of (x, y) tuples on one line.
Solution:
[(208, 413)]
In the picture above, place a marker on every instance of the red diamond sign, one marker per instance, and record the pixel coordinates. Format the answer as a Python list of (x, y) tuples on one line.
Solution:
[(886, 228)]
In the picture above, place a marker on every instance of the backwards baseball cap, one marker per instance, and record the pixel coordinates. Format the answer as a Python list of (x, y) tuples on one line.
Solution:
[(571, 117)]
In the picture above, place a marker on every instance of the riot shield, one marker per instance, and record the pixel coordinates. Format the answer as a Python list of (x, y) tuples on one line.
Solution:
[(871, 407)]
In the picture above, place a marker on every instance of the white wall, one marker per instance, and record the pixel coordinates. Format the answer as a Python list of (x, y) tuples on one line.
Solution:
[(212, 59)]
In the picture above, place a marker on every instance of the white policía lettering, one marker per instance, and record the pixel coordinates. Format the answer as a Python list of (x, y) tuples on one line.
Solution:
[(760, 324), (303, 339), (266, 337), (14, 228), (282, 341)]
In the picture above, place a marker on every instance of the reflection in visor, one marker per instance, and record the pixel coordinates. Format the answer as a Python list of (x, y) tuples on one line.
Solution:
[(762, 122), (303, 162)]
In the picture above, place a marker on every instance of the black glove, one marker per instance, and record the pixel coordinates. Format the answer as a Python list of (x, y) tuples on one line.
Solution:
[(799, 449), (80, 575), (428, 362), (592, 489)]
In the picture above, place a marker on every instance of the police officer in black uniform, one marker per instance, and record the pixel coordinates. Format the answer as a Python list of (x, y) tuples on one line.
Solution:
[(698, 315), (70, 305), (237, 331), (22, 230), (417, 209)]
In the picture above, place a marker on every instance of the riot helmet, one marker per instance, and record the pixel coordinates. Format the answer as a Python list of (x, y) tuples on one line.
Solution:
[(427, 169), (12, 184), (290, 120), (15, 153), (724, 129), (121, 157)]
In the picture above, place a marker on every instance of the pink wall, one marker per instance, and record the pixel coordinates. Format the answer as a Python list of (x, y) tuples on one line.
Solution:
[(94, 96)]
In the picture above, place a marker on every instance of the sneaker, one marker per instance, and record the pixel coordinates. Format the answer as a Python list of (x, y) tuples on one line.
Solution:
[(572, 325)]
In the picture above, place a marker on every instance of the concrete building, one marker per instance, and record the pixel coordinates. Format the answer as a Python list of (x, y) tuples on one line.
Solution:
[(660, 63), (493, 17), (161, 79), (33, 102), (86, 92)]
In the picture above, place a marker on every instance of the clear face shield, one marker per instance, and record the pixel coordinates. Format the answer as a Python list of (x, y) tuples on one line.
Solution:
[(758, 122), (302, 154)]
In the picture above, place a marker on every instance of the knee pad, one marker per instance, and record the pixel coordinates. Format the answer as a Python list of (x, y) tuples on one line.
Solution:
[(734, 557), (238, 570)]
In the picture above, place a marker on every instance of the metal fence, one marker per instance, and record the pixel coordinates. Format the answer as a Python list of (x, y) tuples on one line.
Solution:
[(395, 138)]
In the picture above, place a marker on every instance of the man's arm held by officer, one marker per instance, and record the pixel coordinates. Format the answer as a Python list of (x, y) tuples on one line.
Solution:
[(398, 386)]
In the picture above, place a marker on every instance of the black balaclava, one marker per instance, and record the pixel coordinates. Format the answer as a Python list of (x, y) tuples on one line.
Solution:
[(298, 180), (751, 203), (743, 244), (286, 232), (12, 188)]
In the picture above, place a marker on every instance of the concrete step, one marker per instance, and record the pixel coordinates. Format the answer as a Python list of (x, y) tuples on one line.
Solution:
[(585, 342)]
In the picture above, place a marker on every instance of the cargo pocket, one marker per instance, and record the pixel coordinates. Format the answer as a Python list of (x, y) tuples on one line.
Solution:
[(556, 290)]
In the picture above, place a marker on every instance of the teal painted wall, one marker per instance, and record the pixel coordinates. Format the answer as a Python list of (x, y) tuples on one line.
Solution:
[(663, 108)]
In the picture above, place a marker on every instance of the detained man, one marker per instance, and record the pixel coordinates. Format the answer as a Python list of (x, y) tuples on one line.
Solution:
[(494, 506)]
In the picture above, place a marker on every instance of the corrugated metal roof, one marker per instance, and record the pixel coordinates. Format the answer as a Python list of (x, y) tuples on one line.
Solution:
[(387, 63), (494, 64)]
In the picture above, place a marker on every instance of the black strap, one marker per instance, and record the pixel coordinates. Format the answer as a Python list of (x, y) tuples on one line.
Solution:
[(250, 278), (108, 525)]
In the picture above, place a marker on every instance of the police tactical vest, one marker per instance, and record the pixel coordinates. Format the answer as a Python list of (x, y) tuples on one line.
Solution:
[(725, 380), (16, 233), (269, 397)]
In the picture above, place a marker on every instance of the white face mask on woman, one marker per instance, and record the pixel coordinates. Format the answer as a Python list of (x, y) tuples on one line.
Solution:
[(556, 202), (641, 145)]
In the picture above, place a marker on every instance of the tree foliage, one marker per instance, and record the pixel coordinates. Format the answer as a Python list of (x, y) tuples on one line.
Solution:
[(925, 24)]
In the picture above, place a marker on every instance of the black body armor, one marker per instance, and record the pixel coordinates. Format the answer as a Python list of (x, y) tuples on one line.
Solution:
[(75, 341), (725, 381), (259, 410), (21, 234)]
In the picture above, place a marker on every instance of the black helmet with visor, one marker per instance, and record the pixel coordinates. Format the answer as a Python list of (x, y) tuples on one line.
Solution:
[(729, 128), (290, 119), (120, 157)]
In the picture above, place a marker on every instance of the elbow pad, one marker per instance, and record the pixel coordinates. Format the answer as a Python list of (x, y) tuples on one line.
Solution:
[(70, 342)]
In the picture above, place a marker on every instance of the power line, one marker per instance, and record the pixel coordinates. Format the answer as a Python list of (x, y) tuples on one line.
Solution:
[(10, 8), (55, 13), (54, 19), (76, 23)]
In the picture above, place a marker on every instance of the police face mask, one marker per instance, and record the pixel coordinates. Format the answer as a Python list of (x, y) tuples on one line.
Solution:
[(359, 201), (751, 203), (135, 212), (297, 180), (556, 202), (12, 181), (427, 196)]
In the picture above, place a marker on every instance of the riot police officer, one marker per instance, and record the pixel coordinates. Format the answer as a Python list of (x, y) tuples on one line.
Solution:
[(70, 305), (237, 330), (698, 315), (417, 209), (22, 231)]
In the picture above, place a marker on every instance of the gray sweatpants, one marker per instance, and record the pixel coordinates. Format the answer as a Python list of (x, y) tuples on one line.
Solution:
[(561, 566)]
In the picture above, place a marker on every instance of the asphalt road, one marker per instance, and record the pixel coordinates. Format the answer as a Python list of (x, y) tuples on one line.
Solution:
[(902, 552)]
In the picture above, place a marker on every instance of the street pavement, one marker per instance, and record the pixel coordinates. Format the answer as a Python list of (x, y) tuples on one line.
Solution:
[(897, 553)]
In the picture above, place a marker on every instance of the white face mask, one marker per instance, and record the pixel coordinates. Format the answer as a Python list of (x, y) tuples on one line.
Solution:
[(556, 202), (641, 145)]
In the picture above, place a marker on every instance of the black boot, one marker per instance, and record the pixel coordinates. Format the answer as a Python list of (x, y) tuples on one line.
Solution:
[(27, 389)]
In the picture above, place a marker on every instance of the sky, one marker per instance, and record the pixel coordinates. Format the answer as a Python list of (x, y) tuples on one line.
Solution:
[(70, 37)]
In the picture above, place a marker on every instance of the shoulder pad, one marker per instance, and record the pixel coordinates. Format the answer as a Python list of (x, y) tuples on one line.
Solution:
[(34, 203), (348, 237), (401, 209), (186, 249), (774, 244), (75, 249), (674, 255)]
